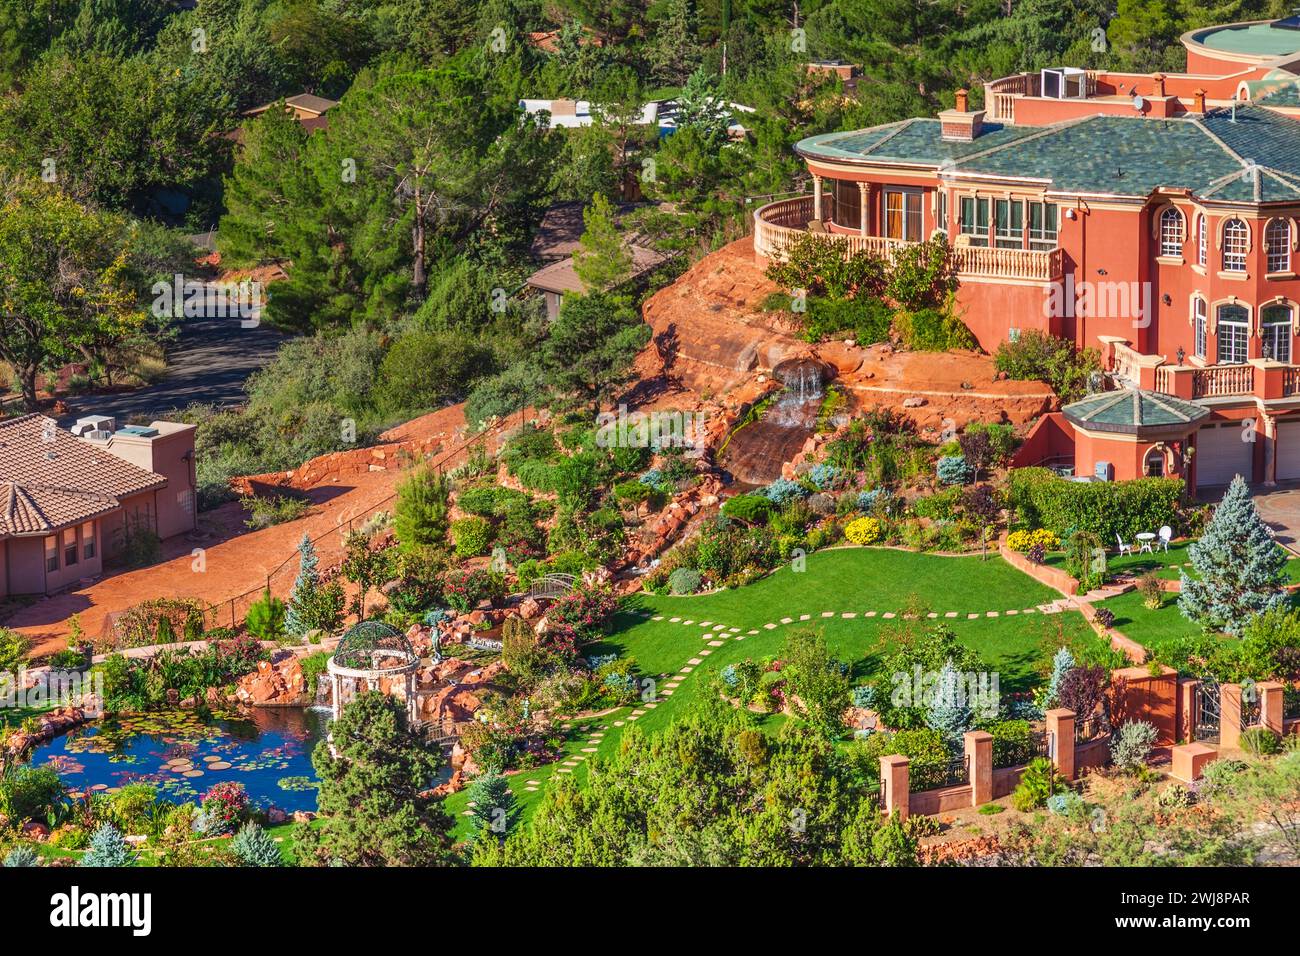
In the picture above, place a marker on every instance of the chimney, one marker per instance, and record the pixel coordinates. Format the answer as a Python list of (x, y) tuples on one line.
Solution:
[(1199, 101), (1159, 79), (961, 100)]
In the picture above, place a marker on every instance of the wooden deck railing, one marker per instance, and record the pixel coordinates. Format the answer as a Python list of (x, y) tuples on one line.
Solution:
[(778, 224)]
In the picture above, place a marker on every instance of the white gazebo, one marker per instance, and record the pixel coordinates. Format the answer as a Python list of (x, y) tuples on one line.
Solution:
[(370, 653)]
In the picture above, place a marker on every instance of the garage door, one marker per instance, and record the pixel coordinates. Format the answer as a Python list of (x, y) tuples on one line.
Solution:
[(1288, 451), (1221, 453)]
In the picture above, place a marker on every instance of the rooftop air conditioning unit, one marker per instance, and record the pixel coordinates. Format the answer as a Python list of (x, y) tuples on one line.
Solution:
[(94, 423)]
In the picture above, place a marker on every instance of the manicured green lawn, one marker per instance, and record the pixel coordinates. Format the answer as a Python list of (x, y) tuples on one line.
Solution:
[(1166, 565), (868, 579), (1153, 627), (852, 580)]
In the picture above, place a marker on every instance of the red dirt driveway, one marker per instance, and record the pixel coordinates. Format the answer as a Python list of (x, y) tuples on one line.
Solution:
[(226, 565)]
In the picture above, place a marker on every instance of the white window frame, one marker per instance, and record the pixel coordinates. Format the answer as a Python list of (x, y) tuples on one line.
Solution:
[(1277, 245), (1044, 236), (1005, 211), (1233, 332), (1236, 245), (976, 234), (1277, 331), (1200, 325), (1202, 241), (1171, 233)]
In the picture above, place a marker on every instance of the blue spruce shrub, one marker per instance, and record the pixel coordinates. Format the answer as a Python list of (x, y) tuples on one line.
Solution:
[(21, 856), (953, 470), (823, 475), (1064, 803), (783, 491), (253, 846), (108, 848), (1240, 569)]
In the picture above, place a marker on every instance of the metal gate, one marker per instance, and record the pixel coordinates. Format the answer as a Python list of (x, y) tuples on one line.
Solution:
[(1207, 710)]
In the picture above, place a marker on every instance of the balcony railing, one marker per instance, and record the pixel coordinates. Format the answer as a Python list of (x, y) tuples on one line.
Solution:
[(778, 224), (1223, 381)]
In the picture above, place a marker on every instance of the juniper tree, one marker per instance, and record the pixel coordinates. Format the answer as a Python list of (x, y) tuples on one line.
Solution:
[(253, 846), (1062, 663), (1240, 568)]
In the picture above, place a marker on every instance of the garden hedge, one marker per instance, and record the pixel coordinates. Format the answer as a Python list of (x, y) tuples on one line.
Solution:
[(1042, 499)]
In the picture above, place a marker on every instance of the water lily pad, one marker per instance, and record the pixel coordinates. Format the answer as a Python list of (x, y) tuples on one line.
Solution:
[(219, 765), (192, 773)]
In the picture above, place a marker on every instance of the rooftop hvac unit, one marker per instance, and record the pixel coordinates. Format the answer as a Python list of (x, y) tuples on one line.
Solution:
[(94, 423)]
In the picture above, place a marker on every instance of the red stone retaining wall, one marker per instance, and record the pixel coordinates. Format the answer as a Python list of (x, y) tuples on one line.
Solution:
[(1045, 574)]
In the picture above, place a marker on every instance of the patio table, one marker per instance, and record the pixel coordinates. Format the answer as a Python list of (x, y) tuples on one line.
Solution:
[(1146, 537)]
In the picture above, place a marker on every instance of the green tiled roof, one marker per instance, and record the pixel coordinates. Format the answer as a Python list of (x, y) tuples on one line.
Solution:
[(1257, 39), (1212, 155), (1131, 409)]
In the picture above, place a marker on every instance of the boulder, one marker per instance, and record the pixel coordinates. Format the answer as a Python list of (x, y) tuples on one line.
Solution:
[(530, 609)]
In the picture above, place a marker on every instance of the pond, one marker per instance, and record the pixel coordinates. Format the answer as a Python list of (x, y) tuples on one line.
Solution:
[(267, 750)]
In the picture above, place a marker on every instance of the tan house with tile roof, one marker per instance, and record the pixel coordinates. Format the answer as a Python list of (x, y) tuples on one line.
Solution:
[(67, 502)]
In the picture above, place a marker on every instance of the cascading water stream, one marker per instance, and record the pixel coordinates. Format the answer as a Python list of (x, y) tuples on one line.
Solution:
[(757, 451)]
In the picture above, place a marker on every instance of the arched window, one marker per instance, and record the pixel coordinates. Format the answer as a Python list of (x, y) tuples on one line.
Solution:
[(1200, 314), (1171, 232), (1276, 322), (1202, 240), (1277, 245), (1232, 330), (1236, 239)]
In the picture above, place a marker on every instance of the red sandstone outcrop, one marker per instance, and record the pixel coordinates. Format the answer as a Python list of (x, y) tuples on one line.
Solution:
[(281, 684), (48, 726)]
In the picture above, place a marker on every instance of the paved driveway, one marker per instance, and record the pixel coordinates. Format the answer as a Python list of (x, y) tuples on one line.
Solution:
[(1280, 507), (208, 363)]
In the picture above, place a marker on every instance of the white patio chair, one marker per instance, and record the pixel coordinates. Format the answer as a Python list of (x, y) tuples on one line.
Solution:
[(1123, 547), (1166, 535)]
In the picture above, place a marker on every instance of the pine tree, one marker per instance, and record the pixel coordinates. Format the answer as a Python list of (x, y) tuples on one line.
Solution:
[(602, 260), (108, 848), (375, 774), (420, 516), (493, 805), (305, 588), (1240, 568), (949, 712)]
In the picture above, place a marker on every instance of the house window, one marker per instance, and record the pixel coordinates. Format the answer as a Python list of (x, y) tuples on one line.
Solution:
[(1171, 232), (70, 556), (1277, 245), (51, 553), (1235, 239), (903, 215), (1202, 242), (1199, 320), (1276, 320), (975, 220), (1009, 224), (1232, 332), (1042, 225), (941, 208), (88, 540), (1155, 464), (848, 204)]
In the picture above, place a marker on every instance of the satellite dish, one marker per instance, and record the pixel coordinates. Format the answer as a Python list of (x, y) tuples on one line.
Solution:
[(1139, 103)]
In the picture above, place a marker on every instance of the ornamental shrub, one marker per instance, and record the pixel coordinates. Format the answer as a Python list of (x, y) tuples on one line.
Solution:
[(1240, 569), (783, 491), (927, 754), (1023, 541), (684, 581), (108, 848), (875, 500), (253, 846), (312, 606), (266, 617), (864, 530), (823, 475), (1062, 663), (1043, 499), (1064, 804), (21, 856), (471, 535), (749, 508), (225, 806), (1260, 741), (1132, 744), (1037, 784), (953, 470), (1013, 742)]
